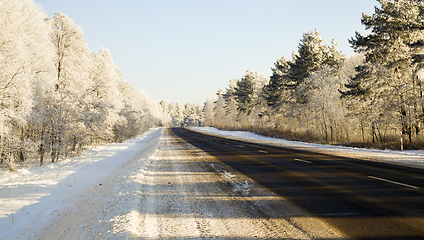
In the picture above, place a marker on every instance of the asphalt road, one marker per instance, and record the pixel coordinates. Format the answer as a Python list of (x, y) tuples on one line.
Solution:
[(361, 199)]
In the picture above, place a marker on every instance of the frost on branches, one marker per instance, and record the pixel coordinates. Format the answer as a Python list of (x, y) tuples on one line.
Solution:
[(388, 83), (321, 95), (25, 56), (56, 96)]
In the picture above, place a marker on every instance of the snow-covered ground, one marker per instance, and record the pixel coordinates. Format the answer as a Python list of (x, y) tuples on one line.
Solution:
[(186, 194), (414, 158), (155, 186), (36, 196)]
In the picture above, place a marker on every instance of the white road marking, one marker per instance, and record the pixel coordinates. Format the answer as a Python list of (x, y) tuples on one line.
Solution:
[(300, 160), (263, 151), (389, 181), (241, 146)]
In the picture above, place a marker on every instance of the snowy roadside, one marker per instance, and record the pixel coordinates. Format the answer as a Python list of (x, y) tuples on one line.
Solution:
[(178, 192), (185, 193), (36, 196), (413, 158)]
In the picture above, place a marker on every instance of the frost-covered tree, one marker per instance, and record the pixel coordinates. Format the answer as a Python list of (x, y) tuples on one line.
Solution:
[(393, 47), (105, 95), (187, 115), (208, 112), (312, 55), (73, 60), (324, 109), (219, 110), (395, 33), (244, 93), (192, 115), (174, 111), (230, 106), (25, 64), (56, 97), (240, 105), (279, 84), (136, 116), (73, 63), (256, 118)]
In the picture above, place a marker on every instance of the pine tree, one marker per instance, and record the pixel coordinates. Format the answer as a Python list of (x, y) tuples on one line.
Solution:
[(312, 55), (395, 33), (244, 93), (395, 43), (275, 92), (229, 97), (335, 58)]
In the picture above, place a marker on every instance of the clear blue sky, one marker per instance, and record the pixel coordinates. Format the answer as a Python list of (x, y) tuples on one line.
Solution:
[(184, 51)]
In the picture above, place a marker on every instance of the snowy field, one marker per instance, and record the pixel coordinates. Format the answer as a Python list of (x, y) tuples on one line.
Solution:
[(412, 158)]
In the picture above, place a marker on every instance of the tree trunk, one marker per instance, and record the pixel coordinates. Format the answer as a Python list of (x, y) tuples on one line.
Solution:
[(42, 148), (22, 156), (11, 163), (363, 132)]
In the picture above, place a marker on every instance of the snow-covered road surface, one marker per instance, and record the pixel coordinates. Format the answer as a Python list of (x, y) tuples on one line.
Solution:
[(186, 194), (151, 189)]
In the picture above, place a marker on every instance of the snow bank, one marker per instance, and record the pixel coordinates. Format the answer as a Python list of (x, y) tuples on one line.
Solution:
[(38, 192), (413, 158)]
